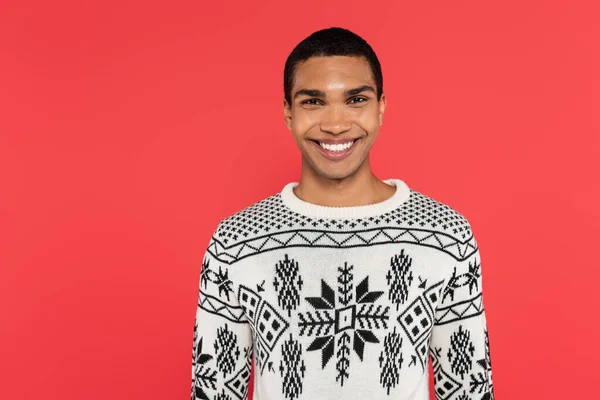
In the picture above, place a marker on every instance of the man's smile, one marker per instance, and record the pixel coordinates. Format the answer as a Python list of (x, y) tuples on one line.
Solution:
[(336, 150)]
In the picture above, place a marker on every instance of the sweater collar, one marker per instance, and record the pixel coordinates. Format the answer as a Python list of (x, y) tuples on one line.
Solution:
[(302, 207)]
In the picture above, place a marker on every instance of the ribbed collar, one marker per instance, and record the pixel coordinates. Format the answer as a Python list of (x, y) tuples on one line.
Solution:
[(300, 206)]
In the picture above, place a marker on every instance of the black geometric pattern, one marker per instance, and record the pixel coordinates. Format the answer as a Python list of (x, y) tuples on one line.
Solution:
[(288, 284), (226, 349), (238, 384), (481, 382), (488, 366), (467, 279), (399, 278), (291, 368), (461, 352), (417, 320), (222, 396), (205, 371), (463, 396), (267, 325), (220, 279), (349, 323), (204, 376), (445, 385), (390, 360), (460, 311), (215, 306), (324, 239), (269, 225), (271, 214)]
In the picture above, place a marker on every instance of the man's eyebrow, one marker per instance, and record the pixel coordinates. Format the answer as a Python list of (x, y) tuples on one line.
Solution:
[(309, 92), (364, 88), (320, 93)]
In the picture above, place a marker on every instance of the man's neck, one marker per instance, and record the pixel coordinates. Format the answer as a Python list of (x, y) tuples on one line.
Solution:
[(360, 189)]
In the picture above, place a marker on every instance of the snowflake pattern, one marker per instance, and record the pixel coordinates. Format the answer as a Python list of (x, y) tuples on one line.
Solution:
[(458, 281), (481, 382), (350, 322), (220, 279), (204, 377)]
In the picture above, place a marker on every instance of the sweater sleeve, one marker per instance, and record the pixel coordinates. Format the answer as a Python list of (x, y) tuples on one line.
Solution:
[(459, 345), (222, 345)]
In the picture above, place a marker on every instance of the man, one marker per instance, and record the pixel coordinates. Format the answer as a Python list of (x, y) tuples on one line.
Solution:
[(341, 286)]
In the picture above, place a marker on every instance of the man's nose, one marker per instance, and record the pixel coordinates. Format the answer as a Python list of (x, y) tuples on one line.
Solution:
[(335, 120)]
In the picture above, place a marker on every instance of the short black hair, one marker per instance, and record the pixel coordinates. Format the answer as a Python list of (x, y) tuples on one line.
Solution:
[(332, 41)]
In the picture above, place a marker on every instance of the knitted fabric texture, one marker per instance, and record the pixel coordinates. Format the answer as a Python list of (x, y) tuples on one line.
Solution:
[(342, 303)]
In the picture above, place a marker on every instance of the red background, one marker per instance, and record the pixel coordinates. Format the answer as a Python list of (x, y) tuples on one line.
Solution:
[(128, 130)]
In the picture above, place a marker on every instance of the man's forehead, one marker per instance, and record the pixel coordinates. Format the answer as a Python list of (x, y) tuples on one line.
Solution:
[(334, 85), (343, 66), (332, 75)]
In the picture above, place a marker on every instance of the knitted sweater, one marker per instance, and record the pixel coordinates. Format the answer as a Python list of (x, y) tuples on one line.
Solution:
[(342, 303)]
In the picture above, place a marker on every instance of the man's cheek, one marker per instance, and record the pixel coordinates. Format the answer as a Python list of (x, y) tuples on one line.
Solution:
[(370, 126)]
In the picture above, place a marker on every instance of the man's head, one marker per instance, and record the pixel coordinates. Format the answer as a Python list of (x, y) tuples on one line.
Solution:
[(333, 92)]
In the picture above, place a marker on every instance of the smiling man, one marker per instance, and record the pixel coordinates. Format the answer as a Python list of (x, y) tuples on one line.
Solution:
[(342, 285)]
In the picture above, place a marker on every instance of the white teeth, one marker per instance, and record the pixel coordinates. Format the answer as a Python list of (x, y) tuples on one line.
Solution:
[(336, 147)]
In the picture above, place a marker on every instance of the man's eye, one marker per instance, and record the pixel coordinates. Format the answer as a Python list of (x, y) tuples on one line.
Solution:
[(358, 98), (308, 101)]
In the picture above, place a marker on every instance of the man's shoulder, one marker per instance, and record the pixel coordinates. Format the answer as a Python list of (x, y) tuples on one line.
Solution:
[(450, 226), (431, 213), (262, 216)]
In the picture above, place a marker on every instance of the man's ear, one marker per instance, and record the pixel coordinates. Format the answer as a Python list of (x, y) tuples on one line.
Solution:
[(287, 114), (382, 103)]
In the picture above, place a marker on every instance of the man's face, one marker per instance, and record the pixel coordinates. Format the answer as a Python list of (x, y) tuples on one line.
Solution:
[(334, 116)]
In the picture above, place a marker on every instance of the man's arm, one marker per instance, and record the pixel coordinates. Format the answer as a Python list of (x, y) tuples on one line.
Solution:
[(459, 345), (222, 347)]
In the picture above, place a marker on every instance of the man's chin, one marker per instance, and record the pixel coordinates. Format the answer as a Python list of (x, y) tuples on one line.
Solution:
[(335, 174)]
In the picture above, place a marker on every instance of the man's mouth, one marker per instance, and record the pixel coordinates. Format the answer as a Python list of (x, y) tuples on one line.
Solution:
[(338, 150), (338, 147)]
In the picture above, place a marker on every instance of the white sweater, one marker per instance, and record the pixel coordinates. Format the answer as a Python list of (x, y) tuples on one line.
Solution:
[(342, 303)]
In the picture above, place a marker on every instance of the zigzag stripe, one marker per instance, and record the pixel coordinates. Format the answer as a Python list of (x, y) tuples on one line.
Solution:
[(301, 238), (229, 312), (460, 311)]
